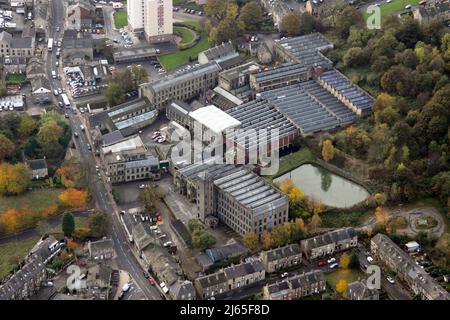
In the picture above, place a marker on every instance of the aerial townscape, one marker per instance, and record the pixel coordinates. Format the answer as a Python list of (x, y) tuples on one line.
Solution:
[(225, 150)]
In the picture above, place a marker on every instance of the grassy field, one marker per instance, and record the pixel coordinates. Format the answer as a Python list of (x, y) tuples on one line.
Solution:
[(194, 23), (187, 36), (173, 60), (393, 7), (14, 78), (348, 275), (120, 19), (11, 254), (36, 200), (344, 219)]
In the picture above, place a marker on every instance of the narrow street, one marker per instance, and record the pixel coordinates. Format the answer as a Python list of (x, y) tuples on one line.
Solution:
[(103, 199)]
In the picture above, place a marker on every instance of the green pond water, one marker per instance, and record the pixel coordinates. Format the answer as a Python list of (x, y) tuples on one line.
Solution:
[(330, 189)]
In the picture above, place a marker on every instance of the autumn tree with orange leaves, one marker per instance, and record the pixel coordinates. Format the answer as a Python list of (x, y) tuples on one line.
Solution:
[(73, 198), (14, 179)]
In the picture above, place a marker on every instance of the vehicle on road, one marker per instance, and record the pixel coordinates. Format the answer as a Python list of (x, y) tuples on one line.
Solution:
[(151, 281), (164, 287), (369, 259), (146, 275), (126, 287), (82, 128), (390, 280), (53, 74), (76, 134), (50, 44), (322, 263)]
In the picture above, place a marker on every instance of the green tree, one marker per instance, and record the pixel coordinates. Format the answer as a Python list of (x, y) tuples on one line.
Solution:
[(26, 127), (150, 195), (291, 23), (307, 23), (99, 224), (114, 94), (7, 147), (354, 57), (354, 261), (140, 75), (251, 15), (68, 223), (202, 240), (251, 241)]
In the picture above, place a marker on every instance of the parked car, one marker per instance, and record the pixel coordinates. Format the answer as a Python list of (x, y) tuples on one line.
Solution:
[(146, 275), (322, 263), (390, 280), (334, 265), (284, 275), (369, 259), (331, 260)]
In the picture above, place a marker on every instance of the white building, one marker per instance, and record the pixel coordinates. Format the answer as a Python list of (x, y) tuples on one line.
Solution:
[(153, 17)]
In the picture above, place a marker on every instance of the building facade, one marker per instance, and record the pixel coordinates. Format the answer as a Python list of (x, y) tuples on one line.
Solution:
[(329, 243), (281, 258), (153, 17)]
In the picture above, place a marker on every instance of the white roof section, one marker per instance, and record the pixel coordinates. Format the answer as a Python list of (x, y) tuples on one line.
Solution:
[(126, 145), (228, 96), (214, 119)]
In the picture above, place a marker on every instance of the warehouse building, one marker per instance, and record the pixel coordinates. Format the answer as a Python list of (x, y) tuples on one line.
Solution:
[(184, 86), (306, 50), (234, 195)]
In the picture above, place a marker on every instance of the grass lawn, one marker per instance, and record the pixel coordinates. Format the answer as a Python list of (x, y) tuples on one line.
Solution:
[(12, 253), (36, 200), (80, 222), (173, 60), (15, 78), (393, 7), (344, 219), (294, 160), (120, 19), (348, 275), (194, 23), (187, 36)]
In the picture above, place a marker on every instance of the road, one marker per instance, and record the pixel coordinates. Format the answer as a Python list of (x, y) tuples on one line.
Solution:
[(125, 258)]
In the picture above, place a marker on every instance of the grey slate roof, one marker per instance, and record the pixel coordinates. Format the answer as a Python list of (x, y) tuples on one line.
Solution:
[(243, 269), (283, 252), (149, 162), (226, 251), (182, 290), (212, 279), (329, 237), (37, 164), (219, 51)]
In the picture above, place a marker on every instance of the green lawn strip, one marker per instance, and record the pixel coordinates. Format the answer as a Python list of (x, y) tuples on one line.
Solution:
[(15, 78), (187, 36), (193, 23), (294, 160), (80, 222), (36, 200), (120, 19), (173, 60), (349, 275), (12, 253), (393, 7)]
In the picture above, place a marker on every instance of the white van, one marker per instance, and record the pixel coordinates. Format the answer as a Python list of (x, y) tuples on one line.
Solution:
[(126, 287), (54, 74)]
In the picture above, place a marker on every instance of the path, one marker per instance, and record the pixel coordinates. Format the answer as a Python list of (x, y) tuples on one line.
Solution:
[(411, 216)]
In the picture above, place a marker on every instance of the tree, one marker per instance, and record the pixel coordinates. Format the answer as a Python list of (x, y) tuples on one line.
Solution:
[(99, 224), (296, 195), (14, 179), (202, 240), (7, 147), (266, 240), (348, 17), (307, 23), (291, 23), (9, 218), (315, 222), (216, 8), (251, 241), (26, 127), (48, 138), (73, 198), (140, 75), (68, 224), (344, 261), (280, 236), (341, 286), (354, 57), (150, 195), (286, 185), (354, 261), (327, 150), (251, 15), (194, 224), (114, 94), (381, 216)]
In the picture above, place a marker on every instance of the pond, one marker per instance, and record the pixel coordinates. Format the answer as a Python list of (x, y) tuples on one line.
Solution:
[(326, 187)]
